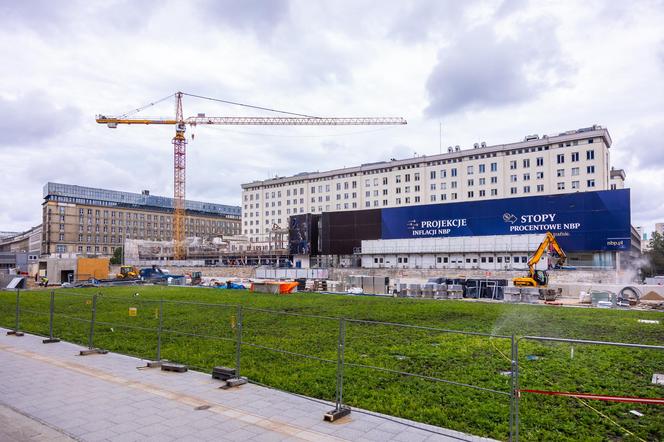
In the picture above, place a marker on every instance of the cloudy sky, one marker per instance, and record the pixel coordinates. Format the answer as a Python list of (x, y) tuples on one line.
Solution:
[(490, 71)]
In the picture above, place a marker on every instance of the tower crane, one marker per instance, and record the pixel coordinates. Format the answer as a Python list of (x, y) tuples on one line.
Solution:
[(180, 143)]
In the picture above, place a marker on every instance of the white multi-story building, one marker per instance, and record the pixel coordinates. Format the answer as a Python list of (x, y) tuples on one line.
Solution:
[(571, 161)]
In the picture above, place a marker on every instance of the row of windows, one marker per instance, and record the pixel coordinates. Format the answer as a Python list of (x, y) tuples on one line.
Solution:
[(456, 260)]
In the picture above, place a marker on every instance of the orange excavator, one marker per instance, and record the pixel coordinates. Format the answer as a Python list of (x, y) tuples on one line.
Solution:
[(538, 264)]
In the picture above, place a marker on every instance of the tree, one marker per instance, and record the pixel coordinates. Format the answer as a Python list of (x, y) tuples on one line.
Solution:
[(655, 256), (117, 256)]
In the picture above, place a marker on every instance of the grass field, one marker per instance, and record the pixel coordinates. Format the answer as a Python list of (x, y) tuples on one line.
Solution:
[(474, 360)]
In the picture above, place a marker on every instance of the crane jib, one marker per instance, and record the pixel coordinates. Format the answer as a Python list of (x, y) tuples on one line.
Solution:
[(261, 121)]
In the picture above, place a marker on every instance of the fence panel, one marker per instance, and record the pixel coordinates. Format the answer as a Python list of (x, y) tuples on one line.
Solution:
[(550, 369), (201, 335), (450, 379), (290, 351)]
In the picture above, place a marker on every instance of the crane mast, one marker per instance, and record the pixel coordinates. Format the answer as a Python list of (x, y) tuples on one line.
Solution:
[(180, 146), (179, 181)]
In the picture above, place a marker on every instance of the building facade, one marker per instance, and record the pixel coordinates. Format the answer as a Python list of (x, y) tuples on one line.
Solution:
[(85, 220), (572, 161)]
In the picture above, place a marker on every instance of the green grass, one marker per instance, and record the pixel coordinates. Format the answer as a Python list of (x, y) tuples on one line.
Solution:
[(474, 360)]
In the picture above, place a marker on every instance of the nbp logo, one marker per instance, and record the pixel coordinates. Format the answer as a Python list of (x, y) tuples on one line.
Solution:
[(412, 224), (509, 218)]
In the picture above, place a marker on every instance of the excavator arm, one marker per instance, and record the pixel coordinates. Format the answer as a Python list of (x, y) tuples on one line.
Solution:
[(540, 277)]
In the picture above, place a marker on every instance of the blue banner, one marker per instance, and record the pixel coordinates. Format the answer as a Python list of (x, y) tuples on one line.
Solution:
[(582, 221)]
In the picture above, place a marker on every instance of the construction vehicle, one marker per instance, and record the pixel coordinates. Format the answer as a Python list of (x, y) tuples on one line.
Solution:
[(127, 272), (538, 264)]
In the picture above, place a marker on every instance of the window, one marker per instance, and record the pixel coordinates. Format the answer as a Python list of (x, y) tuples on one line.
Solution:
[(60, 249), (494, 167), (432, 198), (494, 192), (590, 140), (560, 172), (407, 177), (513, 190), (512, 165), (561, 158), (526, 177), (482, 168), (540, 175), (590, 169), (590, 155), (526, 163), (385, 181), (453, 185), (540, 187), (471, 182), (398, 178), (470, 194), (512, 178), (432, 174), (591, 183), (561, 186), (575, 184), (470, 170), (416, 176), (494, 180), (443, 174), (443, 197), (540, 161), (575, 171), (482, 192), (575, 157), (482, 181), (453, 196), (432, 186), (453, 172), (526, 189)]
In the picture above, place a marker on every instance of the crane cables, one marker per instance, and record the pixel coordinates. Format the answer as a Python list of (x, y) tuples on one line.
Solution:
[(248, 105), (141, 108)]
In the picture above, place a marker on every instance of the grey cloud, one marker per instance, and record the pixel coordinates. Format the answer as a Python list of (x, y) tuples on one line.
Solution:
[(416, 20), (648, 141), (259, 16), (481, 70), (32, 118), (47, 17)]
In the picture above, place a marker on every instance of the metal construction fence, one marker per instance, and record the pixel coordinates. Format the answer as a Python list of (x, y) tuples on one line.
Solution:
[(466, 381)]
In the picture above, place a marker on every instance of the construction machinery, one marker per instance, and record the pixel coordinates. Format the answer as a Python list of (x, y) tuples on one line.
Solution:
[(538, 264), (127, 272), (180, 142)]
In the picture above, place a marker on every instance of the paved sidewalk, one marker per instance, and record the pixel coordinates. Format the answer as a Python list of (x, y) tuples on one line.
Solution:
[(105, 397), (17, 427)]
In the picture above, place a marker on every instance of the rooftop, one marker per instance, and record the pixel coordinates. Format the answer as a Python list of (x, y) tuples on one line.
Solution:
[(453, 153), (78, 193)]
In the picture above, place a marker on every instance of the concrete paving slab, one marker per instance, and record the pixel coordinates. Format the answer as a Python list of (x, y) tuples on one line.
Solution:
[(113, 397)]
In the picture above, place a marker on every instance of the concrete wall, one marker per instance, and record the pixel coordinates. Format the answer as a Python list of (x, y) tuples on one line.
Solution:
[(340, 274), (556, 276)]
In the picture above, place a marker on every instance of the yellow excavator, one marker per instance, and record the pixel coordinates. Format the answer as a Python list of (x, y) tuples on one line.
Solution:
[(537, 277), (127, 272)]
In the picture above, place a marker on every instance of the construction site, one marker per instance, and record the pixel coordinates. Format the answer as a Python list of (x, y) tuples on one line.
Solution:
[(516, 214), (439, 267)]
